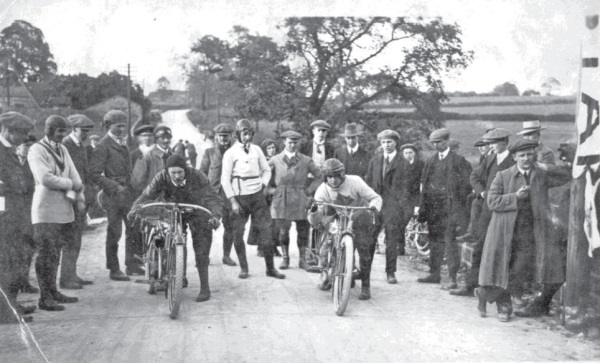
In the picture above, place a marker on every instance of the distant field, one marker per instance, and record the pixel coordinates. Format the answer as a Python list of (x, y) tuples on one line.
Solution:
[(535, 109), (495, 100), (468, 131)]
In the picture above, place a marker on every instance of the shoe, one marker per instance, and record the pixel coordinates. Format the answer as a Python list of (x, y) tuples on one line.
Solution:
[(70, 285), (532, 310), (452, 285), (228, 261), (467, 237), (365, 294), (303, 265), (464, 291), (285, 264), (29, 289), (324, 285), (503, 317), (83, 282), (243, 274), (204, 295), (276, 274), (481, 306), (185, 282), (50, 305), (391, 278), (26, 309), (64, 299), (430, 279), (118, 275), (135, 270)]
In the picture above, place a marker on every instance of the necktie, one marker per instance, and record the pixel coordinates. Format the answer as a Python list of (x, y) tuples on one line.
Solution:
[(386, 163), (318, 148), (527, 176), (247, 148)]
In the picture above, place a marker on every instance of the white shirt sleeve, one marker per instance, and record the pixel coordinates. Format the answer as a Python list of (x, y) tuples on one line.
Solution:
[(227, 169)]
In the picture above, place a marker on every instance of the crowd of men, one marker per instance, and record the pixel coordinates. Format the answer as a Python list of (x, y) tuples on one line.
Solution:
[(501, 206)]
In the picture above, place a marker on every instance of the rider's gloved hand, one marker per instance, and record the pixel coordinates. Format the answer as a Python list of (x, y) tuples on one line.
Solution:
[(214, 223), (373, 209), (133, 213)]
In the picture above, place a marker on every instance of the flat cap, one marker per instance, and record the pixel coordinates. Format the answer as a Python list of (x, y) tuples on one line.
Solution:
[(290, 134), (16, 120), (115, 116), (223, 129), (143, 128), (162, 130), (496, 134), (439, 135), (480, 142), (520, 145), (81, 121), (453, 143), (388, 134), (320, 123), (409, 146)]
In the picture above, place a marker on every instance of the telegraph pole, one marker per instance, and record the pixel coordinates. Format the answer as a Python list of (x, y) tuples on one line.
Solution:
[(128, 104)]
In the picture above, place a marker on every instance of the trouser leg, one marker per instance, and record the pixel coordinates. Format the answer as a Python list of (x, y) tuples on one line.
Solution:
[(392, 239), (71, 249), (114, 230), (227, 232), (133, 246), (436, 257), (238, 226), (48, 236), (452, 253), (202, 242)]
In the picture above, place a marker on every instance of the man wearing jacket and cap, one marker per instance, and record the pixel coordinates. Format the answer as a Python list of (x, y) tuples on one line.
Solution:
[(520, 246), (58, 188), (81, 126), (292, 191), (532, 130), (413, 167), (145, 139), (318, 148), (443, 205), (110, 169), (153, 161), (246, 174), (386, 177), (354, 157), (211, 165), (179, 183), (481, 181), (16, 189)]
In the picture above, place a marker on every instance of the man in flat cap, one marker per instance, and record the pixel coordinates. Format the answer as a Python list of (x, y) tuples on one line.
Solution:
[(144, 135), (16, 191), (110, 169), (211, 165), (386, 177), (481, 181), (532, 130), (292, 191), (413, 168), (354, 157), (245, 176), (191, 153), (81, 126), (318, 148), (519, 246), (443, 205), (58, 192), (454, 145), (153, 161)]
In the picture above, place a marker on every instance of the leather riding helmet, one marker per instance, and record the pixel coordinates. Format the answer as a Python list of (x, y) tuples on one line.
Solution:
[(241, 125), (333, 167), (54, 122)]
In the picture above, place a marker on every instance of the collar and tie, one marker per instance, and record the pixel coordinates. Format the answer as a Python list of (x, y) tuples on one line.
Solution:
[(386, 164), (247, 148)]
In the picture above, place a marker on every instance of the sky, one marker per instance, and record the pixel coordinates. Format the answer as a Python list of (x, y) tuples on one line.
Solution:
[(524, 42)]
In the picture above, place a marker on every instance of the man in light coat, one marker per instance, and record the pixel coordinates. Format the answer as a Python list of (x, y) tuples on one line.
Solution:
[(292, 192), (57, 188), (520, 247)]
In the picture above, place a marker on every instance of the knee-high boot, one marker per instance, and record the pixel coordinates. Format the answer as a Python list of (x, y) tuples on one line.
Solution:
[(204, 294), (302, 260), (285, 264)]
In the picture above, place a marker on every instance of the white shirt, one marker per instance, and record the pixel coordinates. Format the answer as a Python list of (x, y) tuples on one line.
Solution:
[(353, 150), (391, 155), (244, 173), (500, 157), (289, 154), (354, 192), (318, 157), (75, 139), (443, 154), (118, 140), (5, 142)]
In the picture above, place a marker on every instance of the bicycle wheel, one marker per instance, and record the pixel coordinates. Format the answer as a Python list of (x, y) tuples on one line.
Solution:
[(342, 279), (175, 284)]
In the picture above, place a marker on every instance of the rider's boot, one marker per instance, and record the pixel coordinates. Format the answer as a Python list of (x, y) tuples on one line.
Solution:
[(241, 255), (365, 293), (204, 294), (286, 257), (271, 271), (302, 263)]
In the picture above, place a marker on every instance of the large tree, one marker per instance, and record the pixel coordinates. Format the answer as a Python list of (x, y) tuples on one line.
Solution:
[(24, 53)]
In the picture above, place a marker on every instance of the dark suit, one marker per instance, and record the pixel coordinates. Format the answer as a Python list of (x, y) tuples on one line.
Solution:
[(443, 206), (412, 186), (307, 149), (355, 164), (391, 189), (481, 181), (71, 249), (16, 231), (110, 168)]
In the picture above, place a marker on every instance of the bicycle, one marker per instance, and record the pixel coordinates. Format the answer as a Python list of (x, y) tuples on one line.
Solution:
[(164, 243), (338, 239)]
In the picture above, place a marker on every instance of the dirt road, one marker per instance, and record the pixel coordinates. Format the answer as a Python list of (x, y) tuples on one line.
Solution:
[(262, 320)]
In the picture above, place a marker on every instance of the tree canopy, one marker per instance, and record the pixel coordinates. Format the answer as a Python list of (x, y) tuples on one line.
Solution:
[(506, 89), (24, 53)]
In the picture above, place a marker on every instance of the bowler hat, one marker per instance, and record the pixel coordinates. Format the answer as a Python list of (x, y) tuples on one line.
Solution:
[(320, 123), (290, 134), (496, 134), (16, 120), (351, 130), (143, 128), (522, 144), (409, 146), (223, 129), (80, 121), (531, 126), (439, 135), (388, 134)]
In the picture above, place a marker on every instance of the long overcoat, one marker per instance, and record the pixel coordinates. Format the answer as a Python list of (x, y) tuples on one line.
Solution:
[(292, 186), (502, 201)]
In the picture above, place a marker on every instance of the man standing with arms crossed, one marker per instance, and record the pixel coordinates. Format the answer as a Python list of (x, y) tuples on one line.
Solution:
[(245, 176)]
